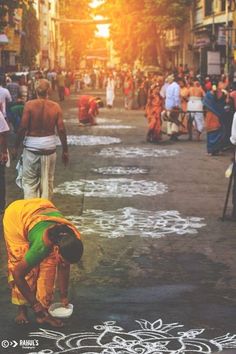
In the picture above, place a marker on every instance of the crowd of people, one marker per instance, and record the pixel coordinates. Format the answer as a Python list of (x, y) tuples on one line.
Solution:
[(40, 241), (176, 105)]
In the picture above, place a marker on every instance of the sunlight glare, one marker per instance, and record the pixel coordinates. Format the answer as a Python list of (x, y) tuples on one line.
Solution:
[(96, 3), (102, 30)]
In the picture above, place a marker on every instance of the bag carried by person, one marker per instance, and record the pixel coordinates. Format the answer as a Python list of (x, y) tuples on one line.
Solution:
[(19, 168), (67, 91)]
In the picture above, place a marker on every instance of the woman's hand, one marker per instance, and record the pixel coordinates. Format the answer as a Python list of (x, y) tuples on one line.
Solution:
[(3, 158), (14, 153), (65, 158), (64, 301)]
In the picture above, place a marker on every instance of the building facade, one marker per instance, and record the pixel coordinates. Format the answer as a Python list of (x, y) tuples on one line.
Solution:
[(206, 42), (48, 13), (10, 45)]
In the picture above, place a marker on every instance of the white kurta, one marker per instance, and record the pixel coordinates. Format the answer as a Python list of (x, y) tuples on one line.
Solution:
[(233, 131), (110, 92)]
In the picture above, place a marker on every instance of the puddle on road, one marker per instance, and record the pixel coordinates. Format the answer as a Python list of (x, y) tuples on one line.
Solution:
[(146, 337), (112, 187), (135, 222)]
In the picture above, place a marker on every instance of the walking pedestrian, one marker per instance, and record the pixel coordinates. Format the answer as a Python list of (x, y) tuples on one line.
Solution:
[(128, 91), (4, 128), (41, 245), (184, 96), (233, 141), (5, 97), (154, 108), (61, 85), (16, 112), (41, 118), (110, 91), (195, 107), (213, 122), (14, 88), (23, 88), (172, 106)]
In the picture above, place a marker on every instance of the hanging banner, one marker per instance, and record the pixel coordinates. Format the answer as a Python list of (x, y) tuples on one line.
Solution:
[(213, 63), (221, 39)]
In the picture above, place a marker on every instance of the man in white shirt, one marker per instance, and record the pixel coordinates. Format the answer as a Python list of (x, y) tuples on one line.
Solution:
[(233, 141), (5, 97), (172, 104), (4, 128)]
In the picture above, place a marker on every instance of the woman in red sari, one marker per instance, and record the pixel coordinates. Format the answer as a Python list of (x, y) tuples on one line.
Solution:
[(153, 109), (88, 109)]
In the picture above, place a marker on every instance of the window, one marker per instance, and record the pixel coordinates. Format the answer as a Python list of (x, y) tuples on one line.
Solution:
[(223, 5), (209, 5)]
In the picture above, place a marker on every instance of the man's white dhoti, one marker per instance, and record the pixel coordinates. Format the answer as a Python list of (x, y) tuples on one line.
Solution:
[(168, 127), (38, 174), (172, 128), (110, 92), (195, 104), (110, 96)]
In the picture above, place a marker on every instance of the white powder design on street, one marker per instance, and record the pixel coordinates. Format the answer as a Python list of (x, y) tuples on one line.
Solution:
[(120, 170), (98, 120), (112, 187), (134, 222), (131, 152), (113, 126), (101, 120), (147, 337), (90, 140)]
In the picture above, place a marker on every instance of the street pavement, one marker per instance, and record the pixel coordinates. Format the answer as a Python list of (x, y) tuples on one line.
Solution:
[(158, 273)]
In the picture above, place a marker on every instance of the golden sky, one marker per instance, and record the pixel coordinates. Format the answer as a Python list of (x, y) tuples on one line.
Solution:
[(102, 30)]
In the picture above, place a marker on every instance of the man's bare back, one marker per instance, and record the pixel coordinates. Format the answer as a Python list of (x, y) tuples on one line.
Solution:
[(41, 117)]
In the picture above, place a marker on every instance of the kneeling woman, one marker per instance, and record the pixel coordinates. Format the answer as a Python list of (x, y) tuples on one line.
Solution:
[(41, 244)]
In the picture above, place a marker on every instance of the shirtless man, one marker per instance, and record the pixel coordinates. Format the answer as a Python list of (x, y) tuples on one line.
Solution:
[(41, 118), (195, 107)]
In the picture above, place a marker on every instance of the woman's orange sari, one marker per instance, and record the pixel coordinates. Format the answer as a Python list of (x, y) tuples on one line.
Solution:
[(19, 218), (154, 108)]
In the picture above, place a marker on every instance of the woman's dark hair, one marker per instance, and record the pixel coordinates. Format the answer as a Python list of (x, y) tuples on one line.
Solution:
[(99, 102), (70, 247)]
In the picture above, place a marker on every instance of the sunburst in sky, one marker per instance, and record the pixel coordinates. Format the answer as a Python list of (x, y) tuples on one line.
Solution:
[(102, 30), (96, 3)]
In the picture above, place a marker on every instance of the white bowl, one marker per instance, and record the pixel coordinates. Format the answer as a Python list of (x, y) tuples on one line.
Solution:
[(60, 311)]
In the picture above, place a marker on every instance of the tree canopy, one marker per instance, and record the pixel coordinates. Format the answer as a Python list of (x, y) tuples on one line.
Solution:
[(76, 36), (30, 40), (137, 26)]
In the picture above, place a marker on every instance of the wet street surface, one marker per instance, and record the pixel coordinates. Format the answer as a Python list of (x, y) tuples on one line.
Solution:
[(158, 273)]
